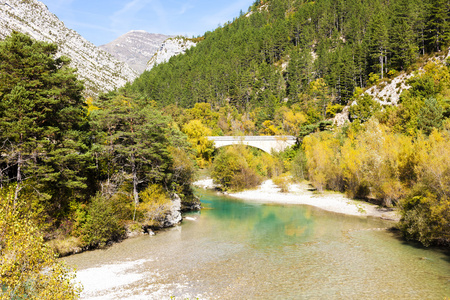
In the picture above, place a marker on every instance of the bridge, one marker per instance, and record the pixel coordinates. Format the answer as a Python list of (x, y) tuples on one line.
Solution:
[(265, 143)]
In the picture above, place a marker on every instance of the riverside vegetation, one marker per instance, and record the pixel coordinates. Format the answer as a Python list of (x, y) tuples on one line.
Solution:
[(83, 171)]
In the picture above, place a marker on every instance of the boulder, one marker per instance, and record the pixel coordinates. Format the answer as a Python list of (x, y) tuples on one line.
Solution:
[(173, 217)]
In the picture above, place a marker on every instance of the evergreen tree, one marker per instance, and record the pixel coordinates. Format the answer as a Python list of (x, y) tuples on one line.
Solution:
[(134, 141), (438, 25), (430, 115), (42, 119), (403, 47), (378, 41)]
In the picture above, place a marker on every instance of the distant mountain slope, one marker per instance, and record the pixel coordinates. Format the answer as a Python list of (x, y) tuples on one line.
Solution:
[(100, 71), (170, 47), (135, 48)]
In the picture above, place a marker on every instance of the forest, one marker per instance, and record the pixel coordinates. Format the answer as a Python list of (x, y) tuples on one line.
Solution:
[(78, 173)]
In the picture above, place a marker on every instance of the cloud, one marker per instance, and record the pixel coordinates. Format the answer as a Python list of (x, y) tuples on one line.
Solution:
[(185, 7)]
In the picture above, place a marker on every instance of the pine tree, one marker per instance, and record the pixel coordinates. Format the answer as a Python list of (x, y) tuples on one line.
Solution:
[(42, 119), (438, 24), (430, 116), (378, 41), (403, 47), (135, 141)]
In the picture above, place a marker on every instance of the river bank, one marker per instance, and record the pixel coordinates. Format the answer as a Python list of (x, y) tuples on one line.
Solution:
[(303, 194)]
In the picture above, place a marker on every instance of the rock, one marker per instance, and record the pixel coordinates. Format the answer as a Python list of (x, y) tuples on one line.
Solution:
[(192, 205), (388, 93), (170, 47), (135, 48), (341, 118), (173, 217), (132, 233)]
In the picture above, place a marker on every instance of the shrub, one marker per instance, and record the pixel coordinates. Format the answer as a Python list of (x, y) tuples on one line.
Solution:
[(426, 218), (282, 182), (246, 178), (102, 222), (154, 206), (28, 267), (237, 168)]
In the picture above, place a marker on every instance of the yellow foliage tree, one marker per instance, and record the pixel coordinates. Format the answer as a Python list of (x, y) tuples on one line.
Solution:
[(28, 267), (268, 128), (197, 135), (155, 205), (322, 152), (90, 105), (292, 122)]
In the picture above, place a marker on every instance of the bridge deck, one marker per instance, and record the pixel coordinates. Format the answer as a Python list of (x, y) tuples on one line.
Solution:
[(265, 143), (252, 138)]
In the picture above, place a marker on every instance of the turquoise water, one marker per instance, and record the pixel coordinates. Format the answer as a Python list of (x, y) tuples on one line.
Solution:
[(241, 250)]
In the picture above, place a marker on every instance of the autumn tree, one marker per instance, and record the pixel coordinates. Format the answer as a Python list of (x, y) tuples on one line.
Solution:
[(198, 137), (28, 267)]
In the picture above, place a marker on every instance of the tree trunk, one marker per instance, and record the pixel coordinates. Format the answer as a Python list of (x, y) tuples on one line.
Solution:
[(135, 184), (381, 62), (18, 178)]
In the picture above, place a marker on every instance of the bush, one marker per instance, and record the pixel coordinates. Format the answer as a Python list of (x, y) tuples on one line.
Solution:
[(102, 222), (236, 168), (282, 182), (246, 178), (28, 267), (154, 206), (426, 218)]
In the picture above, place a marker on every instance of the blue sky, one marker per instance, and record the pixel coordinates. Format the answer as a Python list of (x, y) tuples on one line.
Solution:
[(102, 21)]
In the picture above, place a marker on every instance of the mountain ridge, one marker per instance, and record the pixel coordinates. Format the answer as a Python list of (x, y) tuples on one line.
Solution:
[(99, 70)]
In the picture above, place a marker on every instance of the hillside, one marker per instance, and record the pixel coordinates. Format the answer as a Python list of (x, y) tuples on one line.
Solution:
[(100, 71), (276, 52), (135, 48)]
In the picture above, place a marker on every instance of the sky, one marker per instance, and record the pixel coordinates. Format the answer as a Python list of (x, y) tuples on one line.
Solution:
[(102, 21)]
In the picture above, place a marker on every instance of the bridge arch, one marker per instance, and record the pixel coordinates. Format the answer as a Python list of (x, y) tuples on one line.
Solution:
[(265, 143)]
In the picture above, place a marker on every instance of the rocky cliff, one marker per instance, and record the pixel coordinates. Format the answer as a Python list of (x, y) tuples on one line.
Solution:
[(100, 71), (135, 48), (170, 47)]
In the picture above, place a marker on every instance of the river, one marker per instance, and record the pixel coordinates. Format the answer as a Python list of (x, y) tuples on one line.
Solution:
[(239, 250)]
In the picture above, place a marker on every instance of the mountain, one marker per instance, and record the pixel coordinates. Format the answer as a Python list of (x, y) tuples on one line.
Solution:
[(100, 71), (135, 48), (170, 47)]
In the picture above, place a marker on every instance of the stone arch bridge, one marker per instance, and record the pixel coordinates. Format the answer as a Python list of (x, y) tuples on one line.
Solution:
[(265, 143)]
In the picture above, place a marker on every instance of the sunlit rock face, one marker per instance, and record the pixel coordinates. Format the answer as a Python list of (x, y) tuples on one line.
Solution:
[(135, 48), (100, 71), (169, 48)]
